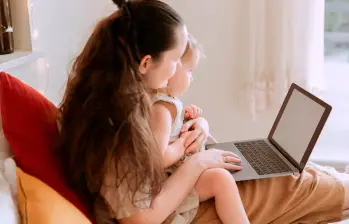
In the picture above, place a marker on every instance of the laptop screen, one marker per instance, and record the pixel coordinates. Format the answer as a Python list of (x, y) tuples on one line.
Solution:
[(298, 124)]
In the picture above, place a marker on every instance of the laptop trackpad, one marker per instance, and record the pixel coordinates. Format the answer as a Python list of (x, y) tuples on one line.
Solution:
[(248, 172)]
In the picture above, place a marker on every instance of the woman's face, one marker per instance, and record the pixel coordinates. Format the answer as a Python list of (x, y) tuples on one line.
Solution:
[(158, 73)]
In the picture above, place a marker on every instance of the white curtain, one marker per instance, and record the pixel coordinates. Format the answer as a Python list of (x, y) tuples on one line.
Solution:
[(277, 42)]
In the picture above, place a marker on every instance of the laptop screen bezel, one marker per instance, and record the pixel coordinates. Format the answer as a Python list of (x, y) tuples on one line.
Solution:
[(316, 134)]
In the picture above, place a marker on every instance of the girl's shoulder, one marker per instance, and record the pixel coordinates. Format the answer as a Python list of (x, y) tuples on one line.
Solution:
[(174, 105), (161, 97)]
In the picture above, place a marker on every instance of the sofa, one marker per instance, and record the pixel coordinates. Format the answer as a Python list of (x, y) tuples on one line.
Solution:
[(29, 133)]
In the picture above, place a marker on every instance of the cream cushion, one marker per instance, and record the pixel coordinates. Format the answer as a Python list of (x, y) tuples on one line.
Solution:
[(5, 150)]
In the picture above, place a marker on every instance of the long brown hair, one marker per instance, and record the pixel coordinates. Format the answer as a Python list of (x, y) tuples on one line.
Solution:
[(104, 113)]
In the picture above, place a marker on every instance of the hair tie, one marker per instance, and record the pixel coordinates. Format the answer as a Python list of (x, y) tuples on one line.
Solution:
[(132, 30), (127, 8), (129, 33)]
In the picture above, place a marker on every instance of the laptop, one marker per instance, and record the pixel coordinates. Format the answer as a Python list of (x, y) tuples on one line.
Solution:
[(290, 142)]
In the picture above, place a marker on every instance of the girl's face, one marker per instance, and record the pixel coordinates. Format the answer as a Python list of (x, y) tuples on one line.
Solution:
[(157, 73), (180, 82)]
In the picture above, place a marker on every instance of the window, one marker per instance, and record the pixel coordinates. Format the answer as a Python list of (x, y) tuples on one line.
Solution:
[(337, 30), (334, 142)]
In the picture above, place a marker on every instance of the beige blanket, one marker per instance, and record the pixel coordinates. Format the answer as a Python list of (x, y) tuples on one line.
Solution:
[(312, 197)]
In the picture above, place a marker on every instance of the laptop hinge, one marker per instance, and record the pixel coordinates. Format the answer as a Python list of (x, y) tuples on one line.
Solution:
[(287, 156)]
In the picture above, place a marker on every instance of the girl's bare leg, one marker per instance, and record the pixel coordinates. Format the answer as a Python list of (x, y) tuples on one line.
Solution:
[(220, 184)]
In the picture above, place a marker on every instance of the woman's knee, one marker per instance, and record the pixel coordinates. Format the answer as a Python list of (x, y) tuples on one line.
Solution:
[(345, 181), (344, 178)]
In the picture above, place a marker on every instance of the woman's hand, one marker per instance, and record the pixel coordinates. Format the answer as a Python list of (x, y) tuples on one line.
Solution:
[(199, 131), (215, 158)]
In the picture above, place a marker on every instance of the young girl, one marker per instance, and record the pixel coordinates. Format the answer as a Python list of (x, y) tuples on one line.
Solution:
[(167, 120)]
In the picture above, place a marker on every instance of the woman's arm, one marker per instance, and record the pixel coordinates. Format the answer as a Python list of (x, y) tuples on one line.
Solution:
[(199, 132), (161, 123)]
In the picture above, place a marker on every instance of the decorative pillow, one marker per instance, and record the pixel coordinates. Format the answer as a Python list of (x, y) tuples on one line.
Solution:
[(29, 124), (40, 204)]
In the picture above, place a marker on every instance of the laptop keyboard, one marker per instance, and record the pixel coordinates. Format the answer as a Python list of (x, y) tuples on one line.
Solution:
[(262, 157)]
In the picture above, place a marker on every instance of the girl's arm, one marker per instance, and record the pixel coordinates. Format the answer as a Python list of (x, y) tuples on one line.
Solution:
[(161, 123)]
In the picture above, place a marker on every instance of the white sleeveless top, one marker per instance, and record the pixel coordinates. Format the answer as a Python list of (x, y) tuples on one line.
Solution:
[(179, 119)]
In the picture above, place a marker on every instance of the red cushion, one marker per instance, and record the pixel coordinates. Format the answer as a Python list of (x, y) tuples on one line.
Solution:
[(29, 123)]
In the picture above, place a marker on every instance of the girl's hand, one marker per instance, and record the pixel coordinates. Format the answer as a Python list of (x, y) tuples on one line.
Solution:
[(198, 134), (215, 158), (192, 112)]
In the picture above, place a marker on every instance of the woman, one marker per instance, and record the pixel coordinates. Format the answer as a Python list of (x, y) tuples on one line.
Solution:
[(110, 153)]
